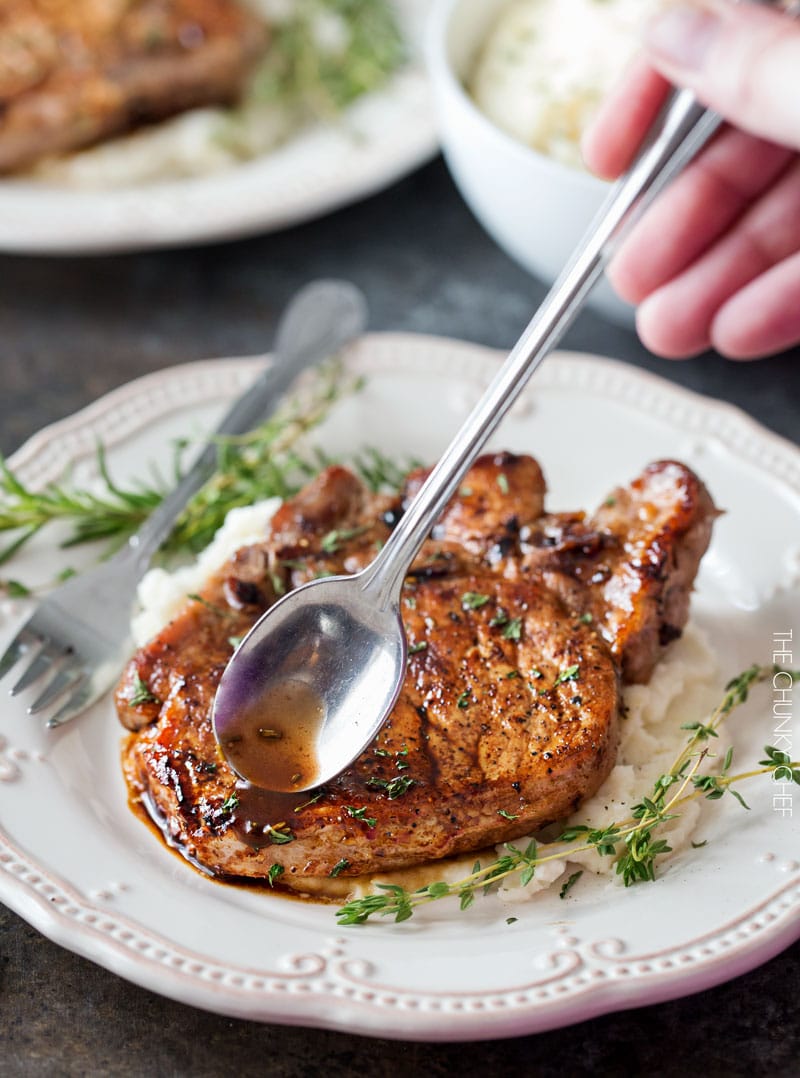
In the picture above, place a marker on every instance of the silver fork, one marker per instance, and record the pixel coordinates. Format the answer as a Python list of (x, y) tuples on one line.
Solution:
[(79, 635)]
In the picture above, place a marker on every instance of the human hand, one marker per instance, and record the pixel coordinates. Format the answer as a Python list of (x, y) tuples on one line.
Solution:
[(715, 262)]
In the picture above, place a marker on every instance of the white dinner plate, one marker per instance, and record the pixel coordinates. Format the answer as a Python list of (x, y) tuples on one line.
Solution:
[(381, 138), (77, 864)]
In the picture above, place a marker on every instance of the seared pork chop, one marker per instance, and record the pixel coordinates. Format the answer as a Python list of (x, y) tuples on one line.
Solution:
[(521, 626), (75, 71)]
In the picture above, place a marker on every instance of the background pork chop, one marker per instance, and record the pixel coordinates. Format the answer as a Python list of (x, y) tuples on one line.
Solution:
[(75, 71)]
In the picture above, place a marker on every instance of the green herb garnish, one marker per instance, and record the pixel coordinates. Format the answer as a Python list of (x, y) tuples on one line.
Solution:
[(570, 883), (570, 674), (474, 600), (279, 835), (267, 462), (14, 589), (140, 693), (513, 630), (333, 540), (393, 788), (634, 842), (319, 75), (360, 814), (275, 871)]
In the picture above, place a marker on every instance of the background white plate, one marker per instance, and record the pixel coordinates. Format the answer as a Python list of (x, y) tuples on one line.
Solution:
[(382, 137), (80, 867)]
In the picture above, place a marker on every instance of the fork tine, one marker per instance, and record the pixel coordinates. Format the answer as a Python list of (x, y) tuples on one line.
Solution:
[(62, 681), (81, 698), (43, 661), (13, 653)]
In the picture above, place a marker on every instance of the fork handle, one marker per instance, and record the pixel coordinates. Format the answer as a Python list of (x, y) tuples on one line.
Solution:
[(320, 320)]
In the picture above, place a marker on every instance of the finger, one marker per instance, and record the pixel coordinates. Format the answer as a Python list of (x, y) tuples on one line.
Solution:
[(695, 211), (623, 120), (740, 59), (677, 319), (762, 318)]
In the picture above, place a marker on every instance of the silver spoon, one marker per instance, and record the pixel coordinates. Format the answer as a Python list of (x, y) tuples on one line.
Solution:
[(311, 684)]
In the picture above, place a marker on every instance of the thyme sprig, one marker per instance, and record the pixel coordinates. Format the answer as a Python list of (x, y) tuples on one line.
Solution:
[(306, 70), (634, 841)]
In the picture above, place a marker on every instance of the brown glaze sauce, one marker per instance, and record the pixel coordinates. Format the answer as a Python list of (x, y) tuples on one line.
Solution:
[(272, 741), (146, 812), (260, 814)]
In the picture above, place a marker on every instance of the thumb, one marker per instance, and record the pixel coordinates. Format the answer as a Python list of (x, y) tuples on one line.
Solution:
[(741, 59)]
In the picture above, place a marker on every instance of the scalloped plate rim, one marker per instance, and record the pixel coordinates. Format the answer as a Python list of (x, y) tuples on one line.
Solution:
[(366, 1017)]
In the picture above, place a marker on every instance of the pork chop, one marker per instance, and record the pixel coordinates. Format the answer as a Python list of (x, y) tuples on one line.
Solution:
[(73, 72), (521, 626)]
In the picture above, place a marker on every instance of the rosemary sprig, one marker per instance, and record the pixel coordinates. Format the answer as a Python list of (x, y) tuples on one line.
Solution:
[(269, 461), (633, 841), (112, 514)]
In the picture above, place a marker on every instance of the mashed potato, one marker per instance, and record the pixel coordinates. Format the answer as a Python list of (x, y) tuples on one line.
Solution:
[(162, 594), (546, 65), (197, 143), (683, 688)]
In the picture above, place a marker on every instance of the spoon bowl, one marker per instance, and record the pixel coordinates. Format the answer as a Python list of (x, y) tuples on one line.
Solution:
[(275, 725)]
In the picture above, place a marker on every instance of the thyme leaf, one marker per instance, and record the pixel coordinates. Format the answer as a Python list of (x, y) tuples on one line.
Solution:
[(332, 541), (570, 883), (570, 674), (360, 814), (140, 693), (393, 788), (474, 600), (275, 871)]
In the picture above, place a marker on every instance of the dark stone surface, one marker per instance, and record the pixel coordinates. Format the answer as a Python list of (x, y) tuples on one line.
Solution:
[(61, 1015), (71, 329)]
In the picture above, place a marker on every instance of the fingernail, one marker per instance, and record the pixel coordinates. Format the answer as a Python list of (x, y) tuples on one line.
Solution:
[(682, 35)]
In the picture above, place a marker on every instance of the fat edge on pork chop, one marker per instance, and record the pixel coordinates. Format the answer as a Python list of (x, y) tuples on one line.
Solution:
[(521, 624)]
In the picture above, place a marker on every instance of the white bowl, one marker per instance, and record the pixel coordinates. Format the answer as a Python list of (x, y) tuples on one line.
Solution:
[(533, 206)]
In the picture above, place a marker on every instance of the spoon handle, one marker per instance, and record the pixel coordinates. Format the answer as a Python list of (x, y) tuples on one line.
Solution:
[(681, 130)]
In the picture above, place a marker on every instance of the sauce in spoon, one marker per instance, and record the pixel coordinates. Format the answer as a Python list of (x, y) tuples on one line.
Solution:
[(272, 740)]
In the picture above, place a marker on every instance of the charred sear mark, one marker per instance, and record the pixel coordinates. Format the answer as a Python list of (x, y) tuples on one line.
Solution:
[(242, 593)]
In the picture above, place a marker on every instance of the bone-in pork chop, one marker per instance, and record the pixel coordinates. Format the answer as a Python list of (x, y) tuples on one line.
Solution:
[(521, 626)]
